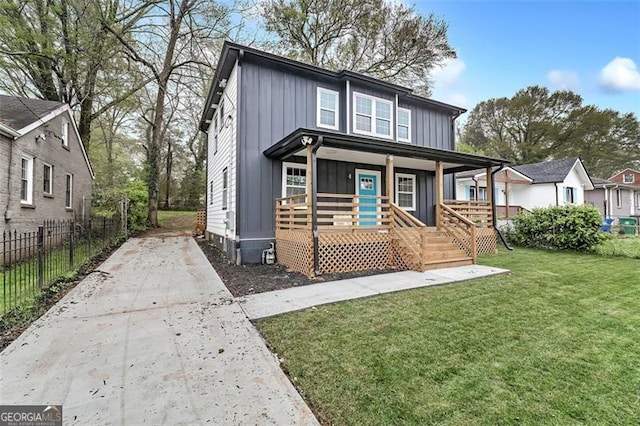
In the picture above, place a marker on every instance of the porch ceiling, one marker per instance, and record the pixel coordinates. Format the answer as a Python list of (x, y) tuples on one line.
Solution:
[(344, 147)]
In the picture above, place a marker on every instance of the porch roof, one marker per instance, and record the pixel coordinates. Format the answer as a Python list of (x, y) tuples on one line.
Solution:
[(345, 147)]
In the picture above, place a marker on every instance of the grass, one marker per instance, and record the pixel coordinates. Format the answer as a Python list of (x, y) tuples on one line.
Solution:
[(555, 342), (164, 215), (620, 246)]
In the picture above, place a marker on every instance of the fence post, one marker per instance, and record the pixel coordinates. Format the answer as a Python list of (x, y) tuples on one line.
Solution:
[(41, 256), (90, 226), (72, 228)]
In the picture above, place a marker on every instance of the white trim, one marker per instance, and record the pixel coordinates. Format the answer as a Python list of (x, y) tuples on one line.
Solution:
[(284, 174), (50, 178), (624, 180), (68, 183), (408, 140), (618, 198), (413, 198), (373, 116), (8, 131), (378, 176), (40, 121), (336, 111), (30, 162), (348, 107)]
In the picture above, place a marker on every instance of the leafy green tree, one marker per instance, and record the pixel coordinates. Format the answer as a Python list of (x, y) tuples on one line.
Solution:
[(58, 50), (383, 39), (536, 125)]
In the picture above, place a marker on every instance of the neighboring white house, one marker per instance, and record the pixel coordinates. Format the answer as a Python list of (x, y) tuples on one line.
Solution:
[(549, 183)]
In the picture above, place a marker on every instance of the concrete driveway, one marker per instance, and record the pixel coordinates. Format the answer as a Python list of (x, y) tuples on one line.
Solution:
[(153, 337)]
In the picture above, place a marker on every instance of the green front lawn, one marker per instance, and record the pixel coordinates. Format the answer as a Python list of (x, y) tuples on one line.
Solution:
[(628, 246), (556, 342)]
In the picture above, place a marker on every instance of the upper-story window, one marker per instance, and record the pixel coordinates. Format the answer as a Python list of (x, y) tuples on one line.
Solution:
[(404, 125), (627, 178), (372, 116), (328, 108), (47, 179), (65, 134), (215, 133)]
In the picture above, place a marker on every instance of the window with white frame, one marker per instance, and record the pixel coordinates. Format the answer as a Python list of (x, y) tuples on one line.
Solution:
[(328, 108), (627, 178), (294, 179), (570, 195), (26, 180), (404, 125), (479, 195), (406, 191), (372, 116), (215, 133), (65, 134), (225, 189), (211, 192), (637, 203), (47, 179), (619, 198), (68, 199)]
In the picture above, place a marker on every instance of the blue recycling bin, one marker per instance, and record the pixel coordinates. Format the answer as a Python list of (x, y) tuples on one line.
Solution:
[(606, 225)]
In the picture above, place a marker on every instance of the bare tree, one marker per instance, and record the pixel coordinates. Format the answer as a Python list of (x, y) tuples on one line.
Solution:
[(384, 39)]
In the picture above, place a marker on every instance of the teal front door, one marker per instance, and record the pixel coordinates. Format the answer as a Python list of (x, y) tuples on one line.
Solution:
[(367, 190)]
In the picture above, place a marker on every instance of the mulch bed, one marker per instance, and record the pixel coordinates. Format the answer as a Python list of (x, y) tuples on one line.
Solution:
[(242, 280)]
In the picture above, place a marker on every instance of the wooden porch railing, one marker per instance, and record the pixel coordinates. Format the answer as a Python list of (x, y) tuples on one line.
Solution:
[(335, 213), (478, 212), (461, 229), (506, 212), (411, 231)]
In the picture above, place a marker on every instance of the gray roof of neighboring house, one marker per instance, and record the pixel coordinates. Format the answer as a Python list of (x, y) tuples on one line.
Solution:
[(18, 113), (543, 172)]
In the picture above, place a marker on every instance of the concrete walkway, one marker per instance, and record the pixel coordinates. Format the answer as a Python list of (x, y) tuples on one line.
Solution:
[(153, 337), (263, 305)]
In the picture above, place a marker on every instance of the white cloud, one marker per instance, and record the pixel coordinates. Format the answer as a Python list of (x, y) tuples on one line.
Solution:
[(564, 80), (458, 99), (448, 73), (621, 74)]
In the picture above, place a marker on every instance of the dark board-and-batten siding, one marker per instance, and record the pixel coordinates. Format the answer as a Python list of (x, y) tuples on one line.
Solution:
[(274, 102)]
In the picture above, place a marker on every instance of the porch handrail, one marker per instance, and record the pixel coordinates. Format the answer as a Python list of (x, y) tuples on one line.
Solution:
[(479, 212), (410, 230), (461, 229)]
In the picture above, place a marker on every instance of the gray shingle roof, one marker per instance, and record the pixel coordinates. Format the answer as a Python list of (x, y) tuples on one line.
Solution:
[(547, 171), (543, 172), (18, 113)]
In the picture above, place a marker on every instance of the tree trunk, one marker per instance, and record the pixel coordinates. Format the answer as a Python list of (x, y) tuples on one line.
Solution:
[(168, 173)]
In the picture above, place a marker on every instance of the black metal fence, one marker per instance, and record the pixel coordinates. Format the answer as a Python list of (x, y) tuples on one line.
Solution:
[(32, 261)]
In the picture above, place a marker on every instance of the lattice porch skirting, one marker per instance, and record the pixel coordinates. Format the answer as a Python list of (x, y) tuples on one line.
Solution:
[(486, 241)]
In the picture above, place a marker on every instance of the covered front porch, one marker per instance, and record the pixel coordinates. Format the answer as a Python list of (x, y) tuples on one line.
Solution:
[(322, 232)]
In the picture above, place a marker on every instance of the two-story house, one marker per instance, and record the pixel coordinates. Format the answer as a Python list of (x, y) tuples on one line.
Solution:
[(617, 197), (45, 173), (340, 170)]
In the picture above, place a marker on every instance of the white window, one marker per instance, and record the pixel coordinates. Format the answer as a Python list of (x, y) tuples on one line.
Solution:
[(26, 181), (627, 178), (404, 125), (570, 195), (65, 134), (481, 195), (215, 133), (294, 179), (328, 108), (618, 198), (372, 116), (406, 191), (225, 183), (69, 192), (47, 179)]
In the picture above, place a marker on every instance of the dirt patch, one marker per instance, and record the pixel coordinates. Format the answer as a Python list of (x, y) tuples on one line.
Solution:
[(173, 227), (242, 280)]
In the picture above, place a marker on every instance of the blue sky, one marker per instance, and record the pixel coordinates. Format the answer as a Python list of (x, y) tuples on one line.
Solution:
[(590, 47)]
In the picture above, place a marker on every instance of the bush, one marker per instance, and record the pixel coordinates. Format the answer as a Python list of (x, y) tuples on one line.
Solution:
[(108, 203), (558, 228)]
